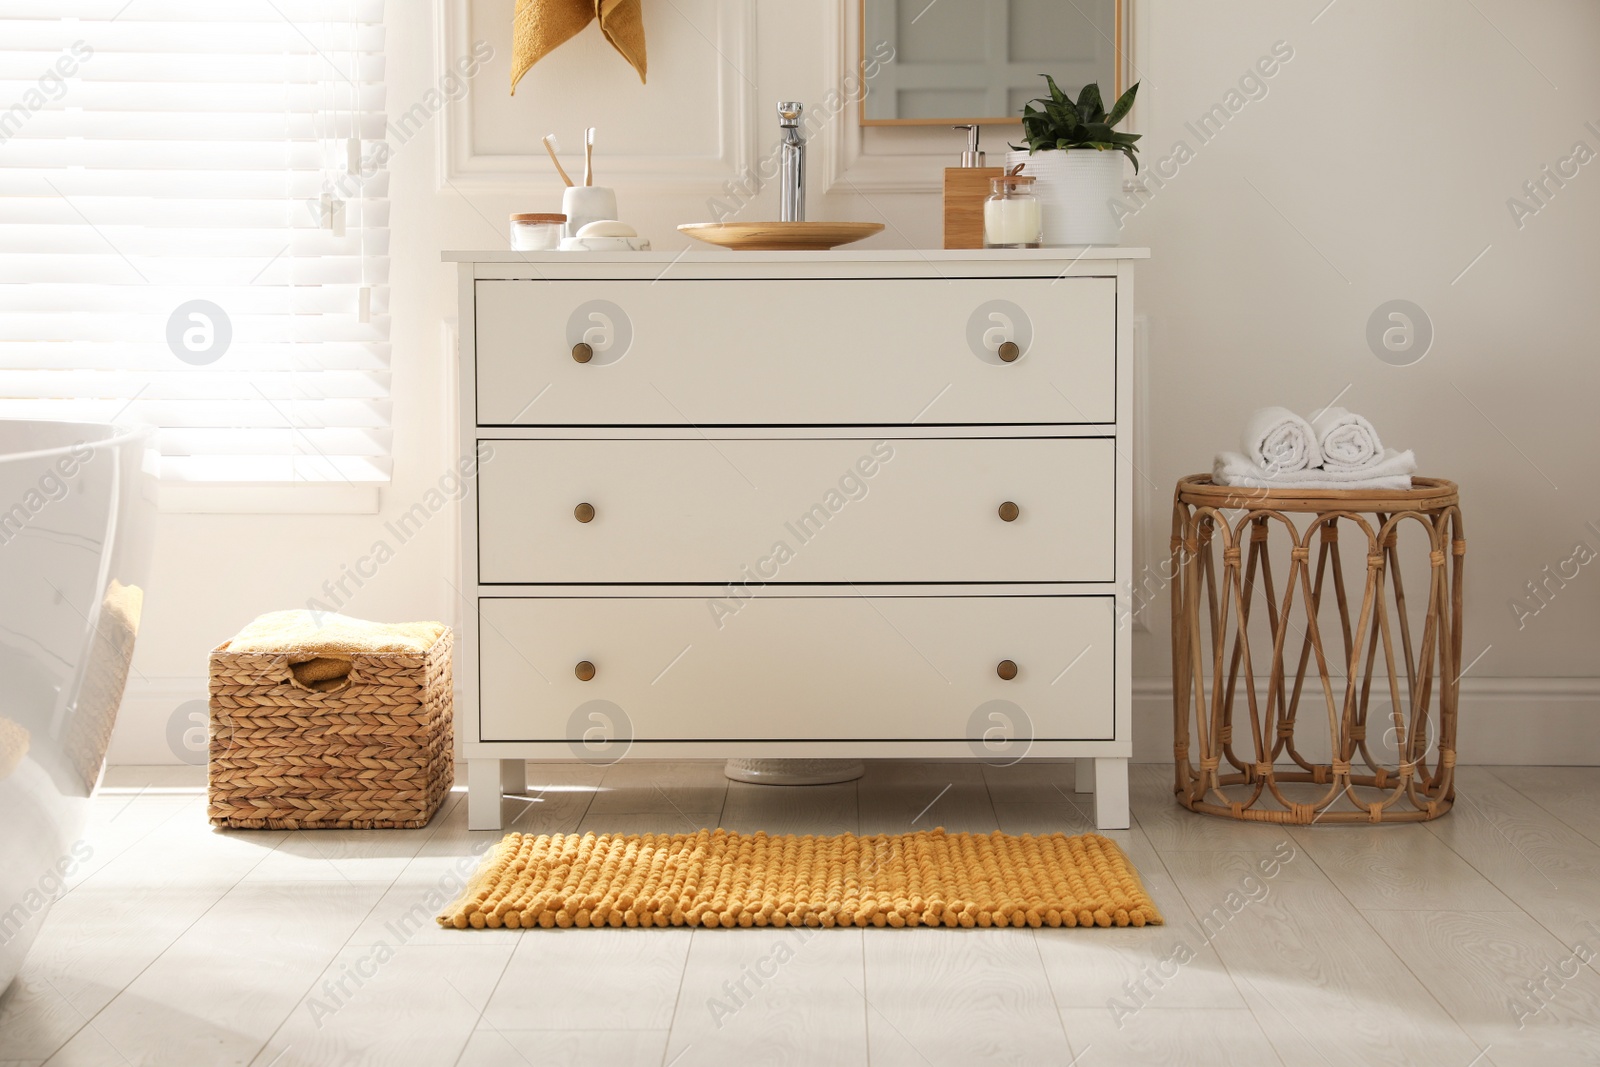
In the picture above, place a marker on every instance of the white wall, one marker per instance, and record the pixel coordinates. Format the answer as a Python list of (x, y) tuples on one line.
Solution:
[(1377, 166)]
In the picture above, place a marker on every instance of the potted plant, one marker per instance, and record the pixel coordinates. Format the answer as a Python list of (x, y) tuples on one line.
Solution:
[(1076, 157)]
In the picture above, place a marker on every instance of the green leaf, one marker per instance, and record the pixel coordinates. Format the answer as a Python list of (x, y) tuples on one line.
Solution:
[(1064, 113), (1057, 123), (1090, 105), (1124, 104)]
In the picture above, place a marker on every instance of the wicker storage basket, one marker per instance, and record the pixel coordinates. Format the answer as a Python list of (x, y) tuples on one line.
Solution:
[(377, 752)]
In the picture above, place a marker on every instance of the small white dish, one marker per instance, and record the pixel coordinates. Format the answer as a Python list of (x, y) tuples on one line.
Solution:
[(607, 228), (605, 244)]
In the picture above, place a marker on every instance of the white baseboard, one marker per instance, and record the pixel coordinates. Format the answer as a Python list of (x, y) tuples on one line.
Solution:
[(1521, 721), (148, 707), (1537, 721)]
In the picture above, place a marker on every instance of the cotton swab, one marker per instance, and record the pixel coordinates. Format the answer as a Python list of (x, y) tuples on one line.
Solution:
[(549, 141)]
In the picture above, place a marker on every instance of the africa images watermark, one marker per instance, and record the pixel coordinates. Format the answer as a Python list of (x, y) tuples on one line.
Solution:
[(50, 86), (754, 977), (1542, 592), (336, 990), (1535, 994), (368, 158), (741, 190), (44, 892), (451, 486), (1252, 86), (1543, 187), (852, 485), (53, 485), (1153, 978)]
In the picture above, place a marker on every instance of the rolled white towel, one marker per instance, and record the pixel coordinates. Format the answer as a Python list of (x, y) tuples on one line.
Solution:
[(1347, 441), (1392, 471), (1278, 441)]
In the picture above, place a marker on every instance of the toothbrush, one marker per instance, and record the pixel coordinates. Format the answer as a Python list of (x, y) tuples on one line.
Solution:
[(549, 141), (588, 156)]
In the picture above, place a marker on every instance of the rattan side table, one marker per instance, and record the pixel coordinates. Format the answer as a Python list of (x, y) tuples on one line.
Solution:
[(1355, 755)]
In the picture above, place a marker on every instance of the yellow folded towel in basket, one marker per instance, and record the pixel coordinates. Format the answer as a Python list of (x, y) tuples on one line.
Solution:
[(539, 26), (13, 746), (319, 645)]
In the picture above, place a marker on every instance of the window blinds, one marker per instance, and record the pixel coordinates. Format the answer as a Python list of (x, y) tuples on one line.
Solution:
[(194, 230)]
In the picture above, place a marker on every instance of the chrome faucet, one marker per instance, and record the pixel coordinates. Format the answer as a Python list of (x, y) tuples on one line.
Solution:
[(792, 164)]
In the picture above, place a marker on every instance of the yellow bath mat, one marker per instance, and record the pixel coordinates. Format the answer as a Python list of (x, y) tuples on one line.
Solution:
[(717, 878)]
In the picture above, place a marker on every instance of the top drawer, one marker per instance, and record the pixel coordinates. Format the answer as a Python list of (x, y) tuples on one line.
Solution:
[(810, 352)]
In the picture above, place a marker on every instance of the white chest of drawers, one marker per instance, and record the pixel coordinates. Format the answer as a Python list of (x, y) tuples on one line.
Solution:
[(796, 505)]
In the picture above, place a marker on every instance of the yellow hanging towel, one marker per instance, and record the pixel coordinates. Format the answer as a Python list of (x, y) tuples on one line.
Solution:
[(539, 26)]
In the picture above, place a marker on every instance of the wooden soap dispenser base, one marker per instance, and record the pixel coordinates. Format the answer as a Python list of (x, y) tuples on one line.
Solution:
[(965, 189)]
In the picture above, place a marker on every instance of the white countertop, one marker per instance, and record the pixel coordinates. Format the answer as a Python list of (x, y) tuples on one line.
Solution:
[(846, 255)]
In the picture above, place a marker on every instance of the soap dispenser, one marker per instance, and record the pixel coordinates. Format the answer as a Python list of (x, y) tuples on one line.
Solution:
[(965, 189)]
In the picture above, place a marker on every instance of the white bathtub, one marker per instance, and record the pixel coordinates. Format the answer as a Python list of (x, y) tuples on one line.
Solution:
[(74, 536)]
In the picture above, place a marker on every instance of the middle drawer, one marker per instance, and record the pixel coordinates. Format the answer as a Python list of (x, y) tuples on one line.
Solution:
[(1030, 509)]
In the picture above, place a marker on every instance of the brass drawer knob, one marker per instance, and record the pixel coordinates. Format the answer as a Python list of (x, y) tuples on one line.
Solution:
[(1009, 351), (1009, 512), (583, 352), (583, 512), (585, 670), (1006, 669)]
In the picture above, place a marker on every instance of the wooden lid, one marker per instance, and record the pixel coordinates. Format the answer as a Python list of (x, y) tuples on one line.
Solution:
[(537, 216)]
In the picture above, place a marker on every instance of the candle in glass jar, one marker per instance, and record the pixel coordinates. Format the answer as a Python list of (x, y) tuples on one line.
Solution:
[(1011, 223), (1011, 216)]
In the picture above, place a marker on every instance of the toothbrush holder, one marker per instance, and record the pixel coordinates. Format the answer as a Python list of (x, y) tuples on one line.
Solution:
[(583, 204)]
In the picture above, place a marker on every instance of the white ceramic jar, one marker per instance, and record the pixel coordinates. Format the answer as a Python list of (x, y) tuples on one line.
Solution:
[(584, 204)]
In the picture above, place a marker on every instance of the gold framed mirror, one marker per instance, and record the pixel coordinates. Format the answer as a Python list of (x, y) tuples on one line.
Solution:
[(958, 62)]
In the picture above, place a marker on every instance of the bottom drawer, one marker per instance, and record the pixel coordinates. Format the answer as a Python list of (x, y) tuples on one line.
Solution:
[(797, 668)]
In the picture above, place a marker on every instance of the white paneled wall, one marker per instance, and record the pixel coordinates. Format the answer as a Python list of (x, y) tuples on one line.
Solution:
[(1378, 162), (691, 128)]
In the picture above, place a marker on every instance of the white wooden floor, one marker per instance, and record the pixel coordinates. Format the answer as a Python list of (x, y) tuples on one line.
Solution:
[(1463, 942)]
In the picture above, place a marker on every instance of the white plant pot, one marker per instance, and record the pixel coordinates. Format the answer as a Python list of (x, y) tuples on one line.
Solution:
[(1076, 190)]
